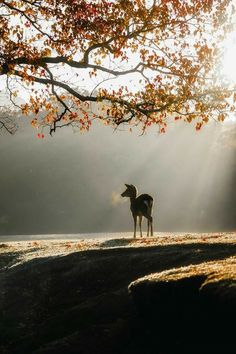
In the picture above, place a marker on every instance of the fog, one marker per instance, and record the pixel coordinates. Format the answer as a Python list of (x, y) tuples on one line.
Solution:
[(71, 182)]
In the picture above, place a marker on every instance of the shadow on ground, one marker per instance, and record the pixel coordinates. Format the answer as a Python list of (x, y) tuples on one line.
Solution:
[(80, 303)]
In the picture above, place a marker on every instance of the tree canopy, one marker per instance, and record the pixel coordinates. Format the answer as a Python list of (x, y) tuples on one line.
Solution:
[(142, 61)]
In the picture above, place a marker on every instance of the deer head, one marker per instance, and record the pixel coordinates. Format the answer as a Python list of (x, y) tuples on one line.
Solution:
[(130, 192)]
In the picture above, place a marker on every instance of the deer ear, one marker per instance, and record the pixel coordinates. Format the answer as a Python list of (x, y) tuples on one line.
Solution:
[(126, 185)]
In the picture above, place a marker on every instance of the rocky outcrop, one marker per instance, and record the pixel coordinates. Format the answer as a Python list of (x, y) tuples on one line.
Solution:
[(189, 309), (79, 303)]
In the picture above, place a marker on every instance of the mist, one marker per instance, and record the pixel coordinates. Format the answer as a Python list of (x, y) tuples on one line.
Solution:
[(71, 182)]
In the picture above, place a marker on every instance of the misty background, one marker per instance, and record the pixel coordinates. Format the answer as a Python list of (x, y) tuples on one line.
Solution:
[(71, 182)]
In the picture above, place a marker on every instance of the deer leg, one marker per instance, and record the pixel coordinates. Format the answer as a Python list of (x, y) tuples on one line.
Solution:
[(149, 218), (148, 227), (140, 225), (151, 222), (135, 224)]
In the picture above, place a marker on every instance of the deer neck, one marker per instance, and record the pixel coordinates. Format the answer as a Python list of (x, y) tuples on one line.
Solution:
[(132, 200)]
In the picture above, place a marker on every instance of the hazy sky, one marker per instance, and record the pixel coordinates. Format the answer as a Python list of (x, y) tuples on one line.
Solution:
[(71, 182)]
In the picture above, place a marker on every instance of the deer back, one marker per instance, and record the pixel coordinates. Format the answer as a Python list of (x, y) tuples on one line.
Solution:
[(142, 205)]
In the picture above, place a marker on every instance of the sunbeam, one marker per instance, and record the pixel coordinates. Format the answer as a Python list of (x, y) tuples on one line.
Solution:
[(229, 58)]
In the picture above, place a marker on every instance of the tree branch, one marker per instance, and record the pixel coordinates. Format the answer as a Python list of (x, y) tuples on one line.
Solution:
[(71, 63)]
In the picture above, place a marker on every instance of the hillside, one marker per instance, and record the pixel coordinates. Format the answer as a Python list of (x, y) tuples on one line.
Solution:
[(159, 295)]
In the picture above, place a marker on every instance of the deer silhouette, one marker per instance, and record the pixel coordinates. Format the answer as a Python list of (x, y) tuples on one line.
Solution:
[(140, 206)]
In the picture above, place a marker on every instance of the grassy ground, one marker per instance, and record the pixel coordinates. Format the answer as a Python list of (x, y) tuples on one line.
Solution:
[(72, 296)]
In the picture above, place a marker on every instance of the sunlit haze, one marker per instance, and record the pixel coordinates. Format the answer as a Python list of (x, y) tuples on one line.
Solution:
[(72, 183), (229, 58)]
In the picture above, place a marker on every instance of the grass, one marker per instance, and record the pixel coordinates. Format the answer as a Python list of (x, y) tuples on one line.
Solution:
[(63, 296)]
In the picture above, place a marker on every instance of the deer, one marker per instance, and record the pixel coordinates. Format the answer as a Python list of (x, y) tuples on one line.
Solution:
[(140, 206)]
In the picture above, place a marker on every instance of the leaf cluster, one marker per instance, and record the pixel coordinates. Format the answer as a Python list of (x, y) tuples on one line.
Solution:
[(169, 49)]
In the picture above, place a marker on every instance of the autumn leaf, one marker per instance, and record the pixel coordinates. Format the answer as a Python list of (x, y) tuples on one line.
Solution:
[(54, 49)]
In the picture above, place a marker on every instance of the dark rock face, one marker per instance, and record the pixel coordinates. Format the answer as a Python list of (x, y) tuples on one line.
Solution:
[(80, 303), (183, 316)]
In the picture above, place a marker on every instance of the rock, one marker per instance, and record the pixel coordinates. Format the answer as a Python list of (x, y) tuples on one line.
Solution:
[(79, 302), (189, 309)]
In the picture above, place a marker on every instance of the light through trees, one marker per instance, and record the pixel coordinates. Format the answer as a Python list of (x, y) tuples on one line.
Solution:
[(51, 50)]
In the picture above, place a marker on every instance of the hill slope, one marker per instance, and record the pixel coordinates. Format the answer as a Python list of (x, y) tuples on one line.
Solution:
[(72, 297)]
